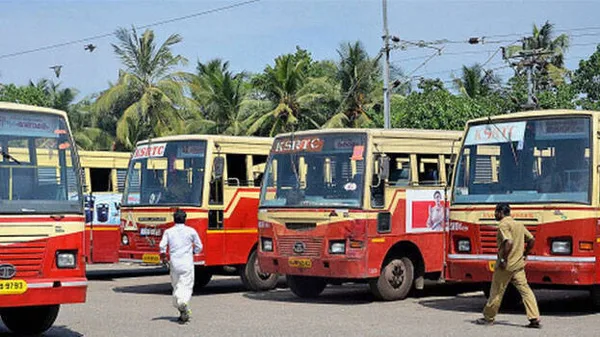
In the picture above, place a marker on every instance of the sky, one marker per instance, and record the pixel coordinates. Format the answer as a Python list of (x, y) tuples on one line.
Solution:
[(252, 35)]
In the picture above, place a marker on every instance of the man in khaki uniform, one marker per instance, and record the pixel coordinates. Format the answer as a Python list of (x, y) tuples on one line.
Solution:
[(510, 267)]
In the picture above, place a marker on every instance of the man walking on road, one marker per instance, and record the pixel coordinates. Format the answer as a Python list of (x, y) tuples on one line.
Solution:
[(183, 242), (510, 267)]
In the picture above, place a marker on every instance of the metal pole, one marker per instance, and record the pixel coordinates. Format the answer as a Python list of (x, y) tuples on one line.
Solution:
[(386, 69), (529, 84)]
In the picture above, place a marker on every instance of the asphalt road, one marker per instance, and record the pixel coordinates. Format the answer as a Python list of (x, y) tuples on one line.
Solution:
[(141, 306)]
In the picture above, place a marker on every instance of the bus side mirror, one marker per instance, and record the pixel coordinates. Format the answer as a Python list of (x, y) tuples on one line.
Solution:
[(218, 167), (384, 167)]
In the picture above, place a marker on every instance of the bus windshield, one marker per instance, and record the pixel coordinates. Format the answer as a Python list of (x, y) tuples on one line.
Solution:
[(528, 161), (38, 168), (170, 173), (315, 171)]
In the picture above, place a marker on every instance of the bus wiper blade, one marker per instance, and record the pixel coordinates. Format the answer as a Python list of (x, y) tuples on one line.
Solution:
[(9, 157)]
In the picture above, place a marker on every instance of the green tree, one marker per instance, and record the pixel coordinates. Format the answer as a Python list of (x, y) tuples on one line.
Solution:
[(24, 95), (586, 80), (152, 90), (358, 75), (221, 96), (476, 81)]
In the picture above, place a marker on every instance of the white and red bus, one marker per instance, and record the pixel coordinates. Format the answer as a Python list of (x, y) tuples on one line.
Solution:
[(545, 165), (42, 261), (216, 180), (359, 205)]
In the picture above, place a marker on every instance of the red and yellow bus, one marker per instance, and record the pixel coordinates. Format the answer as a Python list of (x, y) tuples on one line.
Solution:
[(41, 218), (355, 205), (544, 164), (216, 180)]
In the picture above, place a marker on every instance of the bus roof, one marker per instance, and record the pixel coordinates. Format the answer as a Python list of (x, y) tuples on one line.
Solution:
[(533, 114), (385, 133), (30, 108), (214, 138)]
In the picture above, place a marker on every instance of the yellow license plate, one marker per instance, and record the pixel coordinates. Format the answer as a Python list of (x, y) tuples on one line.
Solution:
[(12, 287), (300, 263), (492, 265), (151, 258)]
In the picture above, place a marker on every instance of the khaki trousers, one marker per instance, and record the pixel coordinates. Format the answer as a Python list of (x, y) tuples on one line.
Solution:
[(499, 283)]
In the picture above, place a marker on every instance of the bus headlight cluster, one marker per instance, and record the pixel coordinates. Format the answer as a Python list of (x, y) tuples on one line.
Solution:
[(337, 247), (561, 247), (124, 240), (463, 245), (266, 244), (66, 259)]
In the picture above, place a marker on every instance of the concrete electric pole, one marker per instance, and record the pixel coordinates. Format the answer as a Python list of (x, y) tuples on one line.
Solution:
[(386, 69)]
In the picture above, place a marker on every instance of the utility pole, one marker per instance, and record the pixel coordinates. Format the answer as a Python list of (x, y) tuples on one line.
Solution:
[(386, 69), (529, 60)]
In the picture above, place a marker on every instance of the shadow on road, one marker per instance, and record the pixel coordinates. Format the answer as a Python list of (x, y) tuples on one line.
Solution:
[(55, 331), (357, 294), (111, 274), (167, 318), (551, 303), (215, 287)]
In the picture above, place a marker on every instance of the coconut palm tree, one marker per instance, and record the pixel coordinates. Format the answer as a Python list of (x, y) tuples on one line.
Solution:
[(154, 92), (221, 97), (476, 81), (358, 75)]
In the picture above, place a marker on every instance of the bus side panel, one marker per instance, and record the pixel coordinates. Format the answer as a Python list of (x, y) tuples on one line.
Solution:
[(241, 226)]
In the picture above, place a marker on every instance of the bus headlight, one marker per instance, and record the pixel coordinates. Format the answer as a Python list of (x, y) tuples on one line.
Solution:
[(463, 245), (337, 247), (124, 240), (267, 244), (561, 247), (66, 259)]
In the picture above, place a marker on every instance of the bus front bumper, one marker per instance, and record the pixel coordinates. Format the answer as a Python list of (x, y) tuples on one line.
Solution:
[(334, 267), (48, 292), (541, 270)]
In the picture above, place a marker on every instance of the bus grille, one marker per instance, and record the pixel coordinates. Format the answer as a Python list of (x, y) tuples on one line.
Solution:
[(487, 238), (312, 245), (27, 257), (146, 243)]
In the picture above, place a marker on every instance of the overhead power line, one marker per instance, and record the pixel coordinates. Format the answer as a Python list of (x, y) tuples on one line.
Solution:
[(154, 24)]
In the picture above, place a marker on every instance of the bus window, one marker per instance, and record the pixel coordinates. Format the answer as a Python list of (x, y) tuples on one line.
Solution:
[(399, 170), (258, 168), (101, 179), (236, 170), (216, 182), (428, 170)]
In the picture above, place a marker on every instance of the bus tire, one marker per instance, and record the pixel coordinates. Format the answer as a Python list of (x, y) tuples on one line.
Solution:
[(306, 286), (201, 278), (253, 278), (395, 281), (595, 295), (30, 320)]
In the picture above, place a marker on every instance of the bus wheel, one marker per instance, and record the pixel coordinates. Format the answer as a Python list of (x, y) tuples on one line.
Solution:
[(395, 281), (30, 320), (254, 279), (201, 278), (306, 286)]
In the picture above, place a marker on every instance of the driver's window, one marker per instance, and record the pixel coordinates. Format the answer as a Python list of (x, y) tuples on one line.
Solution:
[(377, 185), (216, 181)]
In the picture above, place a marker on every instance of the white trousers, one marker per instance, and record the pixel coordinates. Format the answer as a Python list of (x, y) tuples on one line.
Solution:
[(183, 286)]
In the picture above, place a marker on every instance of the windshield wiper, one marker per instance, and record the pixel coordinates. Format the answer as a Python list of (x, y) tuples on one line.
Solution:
[(9, 157)]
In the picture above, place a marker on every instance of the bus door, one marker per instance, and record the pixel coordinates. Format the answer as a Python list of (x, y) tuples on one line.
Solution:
[(214, 245)]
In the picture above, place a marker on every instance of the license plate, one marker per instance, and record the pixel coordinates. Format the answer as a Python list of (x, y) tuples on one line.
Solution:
[(12, 287), (151, 258), (300, 263), (492, 265)]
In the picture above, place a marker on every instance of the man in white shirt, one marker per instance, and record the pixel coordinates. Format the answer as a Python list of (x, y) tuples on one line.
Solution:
[(183, 242)]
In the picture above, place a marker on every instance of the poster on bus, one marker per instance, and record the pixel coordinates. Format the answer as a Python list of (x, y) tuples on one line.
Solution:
[(426, 211), (106, 212)]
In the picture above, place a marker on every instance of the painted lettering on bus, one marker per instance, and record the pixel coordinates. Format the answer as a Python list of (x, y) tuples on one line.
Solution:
[(302, 144), (153, 150), (501, 133)]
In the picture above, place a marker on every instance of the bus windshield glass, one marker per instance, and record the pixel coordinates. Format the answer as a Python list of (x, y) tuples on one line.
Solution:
[(39, 167), (166, 173), (528, 161), (315, 171)]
